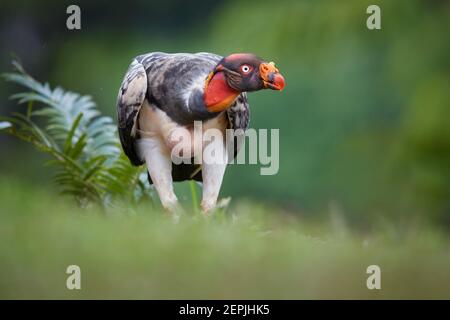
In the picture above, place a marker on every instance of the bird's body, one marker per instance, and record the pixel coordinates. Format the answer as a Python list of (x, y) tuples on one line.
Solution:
[(161, 97)]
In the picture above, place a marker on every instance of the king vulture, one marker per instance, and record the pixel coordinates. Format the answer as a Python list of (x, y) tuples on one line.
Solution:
[(162, 93)]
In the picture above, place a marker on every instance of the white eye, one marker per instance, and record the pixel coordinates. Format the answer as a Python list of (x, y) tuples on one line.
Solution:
[(245, 68)]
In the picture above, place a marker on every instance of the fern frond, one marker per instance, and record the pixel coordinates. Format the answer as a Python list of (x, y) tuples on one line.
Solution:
[(86, 157)]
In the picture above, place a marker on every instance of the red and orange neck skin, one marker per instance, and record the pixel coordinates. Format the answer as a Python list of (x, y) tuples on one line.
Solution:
[(218, 94)]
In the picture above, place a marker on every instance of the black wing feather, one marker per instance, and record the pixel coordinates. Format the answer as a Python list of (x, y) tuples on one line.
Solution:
[(132, 94), (239, 118)]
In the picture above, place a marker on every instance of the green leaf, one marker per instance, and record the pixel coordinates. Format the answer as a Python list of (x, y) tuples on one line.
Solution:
[(83, 144), (70, 135)]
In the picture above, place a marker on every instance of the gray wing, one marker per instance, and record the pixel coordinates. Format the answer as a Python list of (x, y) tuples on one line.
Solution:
[(173, 83), (239, 120), (156, 76), (132, 94)]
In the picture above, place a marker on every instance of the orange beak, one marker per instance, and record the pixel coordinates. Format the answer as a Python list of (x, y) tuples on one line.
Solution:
[(271, 76)]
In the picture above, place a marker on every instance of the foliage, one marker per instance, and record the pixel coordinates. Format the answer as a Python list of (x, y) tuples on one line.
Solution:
[(85, 156), (255, 252), (362, 118)]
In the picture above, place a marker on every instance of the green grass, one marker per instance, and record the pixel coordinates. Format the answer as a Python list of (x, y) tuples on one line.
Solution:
[(249, 252)]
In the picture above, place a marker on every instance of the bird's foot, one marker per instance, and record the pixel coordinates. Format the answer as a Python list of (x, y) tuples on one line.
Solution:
[(173, 209), (208, 207)]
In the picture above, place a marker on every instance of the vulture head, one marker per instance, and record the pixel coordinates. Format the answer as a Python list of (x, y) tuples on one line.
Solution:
[(237, 73)]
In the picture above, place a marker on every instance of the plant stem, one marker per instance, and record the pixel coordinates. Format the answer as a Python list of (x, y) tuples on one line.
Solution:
[(193, 188)]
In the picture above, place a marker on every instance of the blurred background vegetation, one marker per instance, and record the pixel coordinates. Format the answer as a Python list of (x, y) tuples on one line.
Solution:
[(363, 120), (364, 166)]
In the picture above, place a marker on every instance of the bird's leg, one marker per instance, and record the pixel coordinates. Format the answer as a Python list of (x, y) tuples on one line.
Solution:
[(159, 165), (214, 163)]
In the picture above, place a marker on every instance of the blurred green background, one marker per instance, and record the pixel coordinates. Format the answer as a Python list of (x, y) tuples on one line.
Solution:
[(364, 166), (363, 120)]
